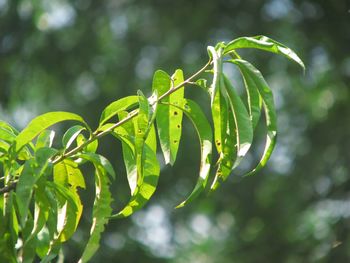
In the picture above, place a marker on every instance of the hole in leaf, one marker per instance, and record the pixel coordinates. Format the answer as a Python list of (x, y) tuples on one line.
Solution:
[(178, 126), (175, 141), (175, 113)]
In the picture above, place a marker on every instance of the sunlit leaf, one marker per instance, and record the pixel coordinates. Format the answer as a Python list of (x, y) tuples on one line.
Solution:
[(117, 106), (146, 186), (270, 113), (202, 126), (264, 43), (7, 135), (169, 119), (127, 130), (100, 162), (41, 123), (219, 108), (32, 171), (69, 211), (101, 210), (45, 139), (143, 181), (243, 124), (71, 134), (227, 157)]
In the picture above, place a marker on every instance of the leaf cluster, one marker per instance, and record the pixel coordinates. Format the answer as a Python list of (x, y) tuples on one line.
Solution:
[(40, 202)]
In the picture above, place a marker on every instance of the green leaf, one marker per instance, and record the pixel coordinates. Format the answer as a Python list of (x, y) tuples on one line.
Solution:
[(253, 97), (67, 173), (41, 211), (168, 118), (269, 107), (147, 184), (32, 171), (71, 134), (264, 43), (101, 210), (227, 157), (117, 106), (141, 124), (7, 135), (42, 122), (202, 126), (69, 210), (243, 124), (45, 139), (127, 130), (202, 83), (219, 108), (99, 161), (142, 181)]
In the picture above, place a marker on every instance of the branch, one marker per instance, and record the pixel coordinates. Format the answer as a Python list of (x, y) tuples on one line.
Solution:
[(8, 188)]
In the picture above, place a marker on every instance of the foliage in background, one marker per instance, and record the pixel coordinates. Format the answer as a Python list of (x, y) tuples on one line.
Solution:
[(40, 203)]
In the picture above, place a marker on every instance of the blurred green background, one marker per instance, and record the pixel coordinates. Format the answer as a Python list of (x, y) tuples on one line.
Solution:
[(81, 55)]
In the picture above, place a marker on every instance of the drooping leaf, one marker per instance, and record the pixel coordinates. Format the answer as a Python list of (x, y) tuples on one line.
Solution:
[(7, 135), (100, 162), (32, 171), (169, 119), (143, 173), (69, 211), (227, 156), (45, 139), (141, 124), (243, 124), (146, 186), (71, 134), (264, 43), (117, 106), (218, 100), (41, 123), (127, 130), (101, 209), (253, 97), (202, 126), (270, 113), (41, 211)]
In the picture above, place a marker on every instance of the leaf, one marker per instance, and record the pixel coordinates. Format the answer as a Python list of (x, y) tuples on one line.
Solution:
[(202, 83), (71, 134), (99, 161), (269, 107), (32, 171), (143, 173), (141, 124), (244, 128), (7, 135), (227, 157), (101, 210), (146, 186), (219, 109), (128, 149), (117, 106), (69, 211), (67, 173), (45, 139), (168, 118), (41, 211), (202, 126), (264, 43), (41, 123)]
